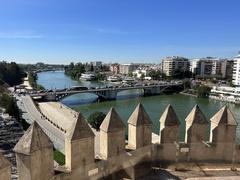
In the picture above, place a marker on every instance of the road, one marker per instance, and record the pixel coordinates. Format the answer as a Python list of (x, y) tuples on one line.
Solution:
[(31, 113)]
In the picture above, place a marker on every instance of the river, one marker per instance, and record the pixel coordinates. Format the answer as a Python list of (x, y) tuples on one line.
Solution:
[(127, 101)]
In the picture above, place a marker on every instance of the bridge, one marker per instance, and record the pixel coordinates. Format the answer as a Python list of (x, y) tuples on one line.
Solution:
[(111, 93)]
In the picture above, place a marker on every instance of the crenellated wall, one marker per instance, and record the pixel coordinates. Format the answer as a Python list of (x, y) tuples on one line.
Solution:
[(118, 158)]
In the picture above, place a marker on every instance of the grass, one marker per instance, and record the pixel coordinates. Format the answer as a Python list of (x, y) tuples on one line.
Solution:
[(59, 157)]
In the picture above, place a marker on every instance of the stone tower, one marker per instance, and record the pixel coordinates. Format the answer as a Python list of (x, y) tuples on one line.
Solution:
[(79, 145), (169, 134), (223, 126), (139, 128), (169, 126), (196, 134), (196, 126), (223, 133), (5, 168), (34, 154), (112, 135)]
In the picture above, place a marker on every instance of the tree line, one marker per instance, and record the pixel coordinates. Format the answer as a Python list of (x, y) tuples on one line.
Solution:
[(11, 73), (75, 70)]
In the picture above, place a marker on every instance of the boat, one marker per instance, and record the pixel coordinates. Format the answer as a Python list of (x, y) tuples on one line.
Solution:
[(227, 94), (87, 76), (114, 79), (128, 80)]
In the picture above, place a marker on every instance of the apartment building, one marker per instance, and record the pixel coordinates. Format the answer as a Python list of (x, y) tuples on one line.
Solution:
[(170, 64), (212, 67), (236, 71), (127, 68), (114, 68)]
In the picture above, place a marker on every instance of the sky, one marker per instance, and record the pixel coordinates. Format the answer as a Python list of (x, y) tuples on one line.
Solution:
[(124, 31)]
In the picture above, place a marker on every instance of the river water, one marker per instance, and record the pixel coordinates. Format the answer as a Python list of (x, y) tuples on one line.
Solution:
[(127, 101)]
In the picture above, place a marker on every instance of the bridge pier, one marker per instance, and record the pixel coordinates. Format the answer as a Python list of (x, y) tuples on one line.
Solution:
[(107, 95), (151, 91), (50, 97)]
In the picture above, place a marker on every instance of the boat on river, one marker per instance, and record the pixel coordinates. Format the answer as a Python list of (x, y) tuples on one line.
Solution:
[(88, 76)]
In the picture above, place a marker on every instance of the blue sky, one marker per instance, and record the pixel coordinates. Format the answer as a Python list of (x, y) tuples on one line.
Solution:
[(61, 31)]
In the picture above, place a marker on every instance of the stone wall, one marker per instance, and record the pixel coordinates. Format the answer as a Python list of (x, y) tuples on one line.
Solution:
[(118, 159)]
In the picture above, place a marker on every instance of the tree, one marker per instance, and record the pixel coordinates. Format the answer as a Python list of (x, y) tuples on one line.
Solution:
[(142, 76), (130, 74), (11, 73), (9, 104), (75, 70), (100, 76), (180, 74), (96, 119), (203, 91), (155, 75)]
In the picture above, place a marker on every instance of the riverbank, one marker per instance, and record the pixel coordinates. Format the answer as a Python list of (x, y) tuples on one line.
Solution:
[(32, 81), (26, 84), (188, 94)]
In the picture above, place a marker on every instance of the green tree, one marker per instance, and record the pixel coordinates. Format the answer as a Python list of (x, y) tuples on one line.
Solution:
[(9, 104), (130, 74), (155, 75), (75, 70), (11, 73), (203, 91), (100, 76), (96, 119), (180, 74), (32, 78)]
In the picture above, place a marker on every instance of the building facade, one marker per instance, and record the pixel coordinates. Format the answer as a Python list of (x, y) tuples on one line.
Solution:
[(236, 71), (114, 68), (139, 73), (212, 67), (170, 64), (97, 64), (127, 68)]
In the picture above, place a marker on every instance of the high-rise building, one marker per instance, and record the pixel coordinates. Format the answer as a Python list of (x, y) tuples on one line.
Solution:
[(194, 66), (227, 68), (236, 71), (170, 64)]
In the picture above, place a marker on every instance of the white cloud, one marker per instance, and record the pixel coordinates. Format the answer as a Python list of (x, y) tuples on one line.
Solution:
[(19, 35)]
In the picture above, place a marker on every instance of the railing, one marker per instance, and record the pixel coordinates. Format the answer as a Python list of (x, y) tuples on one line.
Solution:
[(103, 89)]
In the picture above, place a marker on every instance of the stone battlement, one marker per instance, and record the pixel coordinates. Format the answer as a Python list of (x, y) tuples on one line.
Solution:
[(119, 159)]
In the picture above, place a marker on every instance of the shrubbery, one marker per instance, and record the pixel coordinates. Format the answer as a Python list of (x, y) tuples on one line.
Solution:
[(203, 91), (96, 119)]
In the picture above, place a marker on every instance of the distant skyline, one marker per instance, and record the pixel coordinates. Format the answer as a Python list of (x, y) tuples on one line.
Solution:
[(145, 31)]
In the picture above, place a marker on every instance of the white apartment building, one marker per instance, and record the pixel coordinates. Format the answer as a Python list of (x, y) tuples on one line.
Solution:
[(141, 72), (127, 68), (194, 66), (236, 71), (170, 64)]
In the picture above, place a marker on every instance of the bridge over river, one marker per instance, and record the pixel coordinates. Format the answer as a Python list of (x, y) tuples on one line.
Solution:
[(110, 93)]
